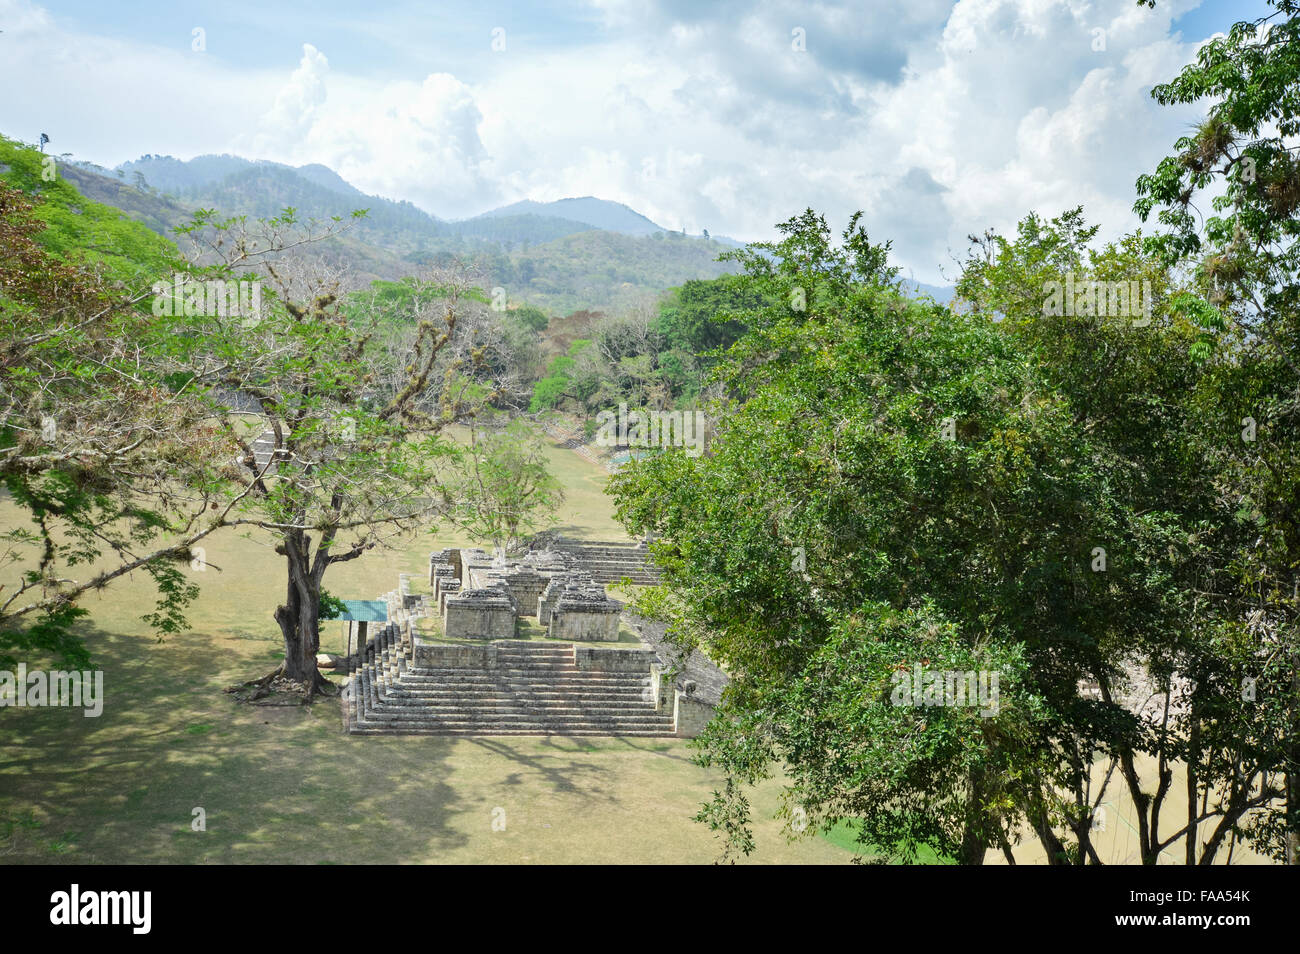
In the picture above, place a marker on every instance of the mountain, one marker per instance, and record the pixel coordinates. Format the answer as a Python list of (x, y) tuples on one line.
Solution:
[(563, 265), (328, 178), (940, 293), (239, 186), (597, 213), (173, 176), (537, 255), (612, 268), (157, 212), (517, 231), (177, 176)]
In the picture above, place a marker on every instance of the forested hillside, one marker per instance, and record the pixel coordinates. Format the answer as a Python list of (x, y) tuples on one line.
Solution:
[(607, 257)]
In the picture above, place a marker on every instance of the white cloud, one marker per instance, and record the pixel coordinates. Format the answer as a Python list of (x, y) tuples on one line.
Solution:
[(298, 101), (939, 120)]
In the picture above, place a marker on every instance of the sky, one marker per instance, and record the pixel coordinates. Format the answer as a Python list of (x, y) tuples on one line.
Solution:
[(937, 119)]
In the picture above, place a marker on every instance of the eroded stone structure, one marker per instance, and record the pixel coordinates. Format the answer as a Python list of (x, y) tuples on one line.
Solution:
[(481, 596), (487, 683)]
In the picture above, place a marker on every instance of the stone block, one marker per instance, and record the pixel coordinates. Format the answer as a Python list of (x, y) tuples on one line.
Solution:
[(480, 614), (585, 614), (597, 659)]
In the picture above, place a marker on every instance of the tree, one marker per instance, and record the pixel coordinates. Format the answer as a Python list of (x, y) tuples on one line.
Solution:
[(1135, 386), (508, 491), (111, 458), (548, 391), (893, 484), (530, 316), (785, 560), (1246, 304), (355, 460), (699, 317)]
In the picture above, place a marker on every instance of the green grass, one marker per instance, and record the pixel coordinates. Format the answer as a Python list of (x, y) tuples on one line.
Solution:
[(287, 785), (844, 834)]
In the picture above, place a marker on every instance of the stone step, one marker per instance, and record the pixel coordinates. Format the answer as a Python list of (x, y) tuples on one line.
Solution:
[(512, 721), (510, 717), (536, 689), (628, 707), (517, 675), (401, 688), (541, 691), (523, 660), (485, 693), (418, 709), (368, 729), (499, 683)]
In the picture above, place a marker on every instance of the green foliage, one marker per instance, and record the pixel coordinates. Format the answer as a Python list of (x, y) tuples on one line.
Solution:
[(699, 317), (547, 393), (331, 607), (95, 441), (531, 317), (508, 491), (605, 269), (896, 481), (79, 230), (1245, 308), (560, 366)]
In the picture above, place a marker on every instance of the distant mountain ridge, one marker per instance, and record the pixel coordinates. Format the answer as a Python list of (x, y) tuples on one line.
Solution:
[(570, 254), (536, 255), (218, 176), (598, 213)]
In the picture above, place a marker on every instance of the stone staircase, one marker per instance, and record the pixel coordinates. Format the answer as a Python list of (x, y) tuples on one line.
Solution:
[(611, 562), (534, 689), (573, 441)]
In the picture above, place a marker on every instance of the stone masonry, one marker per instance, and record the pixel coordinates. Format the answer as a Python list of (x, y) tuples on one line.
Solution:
[(493, 684), (480, 596)]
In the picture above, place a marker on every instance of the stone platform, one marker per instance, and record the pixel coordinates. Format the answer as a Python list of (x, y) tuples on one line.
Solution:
[(403, 685), (481, 596)]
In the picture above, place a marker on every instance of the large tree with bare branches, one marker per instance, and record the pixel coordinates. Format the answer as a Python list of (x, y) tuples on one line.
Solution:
[(341, 448)]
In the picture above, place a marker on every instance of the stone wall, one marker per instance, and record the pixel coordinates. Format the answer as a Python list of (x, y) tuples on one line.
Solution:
[(447, 587), (613, 660), (438, 656), (526, 587), (690, 715), (479, 614), (585, 613), (482, 596)]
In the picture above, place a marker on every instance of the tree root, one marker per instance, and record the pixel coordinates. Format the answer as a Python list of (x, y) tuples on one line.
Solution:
[(276, 689)]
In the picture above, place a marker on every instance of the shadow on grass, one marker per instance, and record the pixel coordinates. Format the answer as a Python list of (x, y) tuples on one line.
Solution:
[(272, 784), (664, 748), (574, 775)]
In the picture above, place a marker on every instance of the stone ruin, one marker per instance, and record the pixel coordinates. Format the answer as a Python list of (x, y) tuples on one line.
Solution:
[(481, 596), (490, 683)]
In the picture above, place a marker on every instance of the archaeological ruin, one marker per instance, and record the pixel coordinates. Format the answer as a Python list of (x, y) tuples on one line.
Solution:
[(454, 660)]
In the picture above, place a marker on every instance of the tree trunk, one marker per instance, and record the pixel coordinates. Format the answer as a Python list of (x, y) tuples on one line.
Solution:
[(299, 617), (1292, 856), (973, 848), (974, 842), (1291, 782), (1193, 759)]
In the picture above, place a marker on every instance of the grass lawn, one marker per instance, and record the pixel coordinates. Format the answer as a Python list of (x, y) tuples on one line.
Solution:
[(286, 785), (844, 834)]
